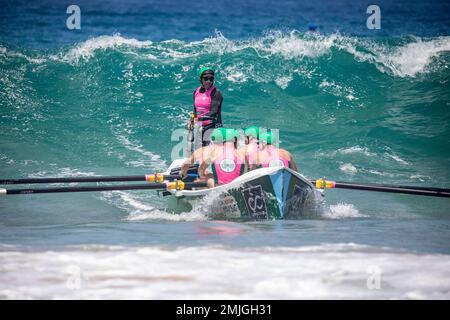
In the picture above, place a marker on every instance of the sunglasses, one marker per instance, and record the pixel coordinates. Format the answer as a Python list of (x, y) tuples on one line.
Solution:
[(208, 79)]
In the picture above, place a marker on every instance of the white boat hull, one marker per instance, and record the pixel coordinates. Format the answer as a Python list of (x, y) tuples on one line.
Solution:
[(261, 194)]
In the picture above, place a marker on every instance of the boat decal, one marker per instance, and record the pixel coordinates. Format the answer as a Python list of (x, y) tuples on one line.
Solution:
[(254, 200), (227, 205), (296, 201)]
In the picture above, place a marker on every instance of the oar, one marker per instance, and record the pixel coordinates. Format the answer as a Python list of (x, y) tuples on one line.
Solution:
[(423, 191), (190, 137), (404, 187), (148, 177), (173, 185)]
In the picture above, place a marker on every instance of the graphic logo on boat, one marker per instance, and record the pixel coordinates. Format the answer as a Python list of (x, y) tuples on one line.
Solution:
[(225, 207), (227, 165), (276, 163), (296, 201), (254, 200)]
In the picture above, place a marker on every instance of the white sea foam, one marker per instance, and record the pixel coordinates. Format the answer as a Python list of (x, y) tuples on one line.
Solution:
[(341, 211), (396, 158), (155, 159), (86, 50), (283, 82), (420, 177), (328, 271), (294, 46), (163, 215), (14, 54), (143, 211), (63, 172), (414, 58), (348, 168), (383, 174), (145, 207), (6, 160), (403, 60), (237, 73), (177, 55), (407, 60), (219, 44), (355, 150)]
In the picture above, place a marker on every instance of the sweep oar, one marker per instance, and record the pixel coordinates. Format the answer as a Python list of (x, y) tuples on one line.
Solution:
[(415, 190), (173, 185), (148, 177)]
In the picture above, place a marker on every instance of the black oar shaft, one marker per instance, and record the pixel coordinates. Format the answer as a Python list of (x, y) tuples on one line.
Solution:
[(153, 186), (401, 187), (82, 179), (394, 189)]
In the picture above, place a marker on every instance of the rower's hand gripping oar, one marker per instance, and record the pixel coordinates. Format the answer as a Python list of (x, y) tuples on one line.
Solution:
[(191, 126), (170, 185), (414, 190)]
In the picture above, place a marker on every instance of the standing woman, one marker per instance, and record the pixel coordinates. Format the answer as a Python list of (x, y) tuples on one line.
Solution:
[(207, 105)]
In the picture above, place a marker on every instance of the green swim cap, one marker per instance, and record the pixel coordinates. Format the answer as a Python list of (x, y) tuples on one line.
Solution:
[(204, 69), (230, 134), (252, 131), (269, 137), (224, 135), (217, 135)]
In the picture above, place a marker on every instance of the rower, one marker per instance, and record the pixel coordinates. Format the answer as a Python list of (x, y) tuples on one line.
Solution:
[(202, 156), (251, 145), (271, 156), (227, 161)]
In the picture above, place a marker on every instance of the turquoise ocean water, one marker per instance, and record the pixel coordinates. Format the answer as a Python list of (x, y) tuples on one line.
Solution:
[(351, 105)]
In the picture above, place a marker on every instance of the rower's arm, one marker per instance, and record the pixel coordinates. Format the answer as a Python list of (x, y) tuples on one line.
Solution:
[(289, 156), (242, 155), (293, 165), (200, 156), (185, 167), (202, 170), (190, 161), (247, 161)]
